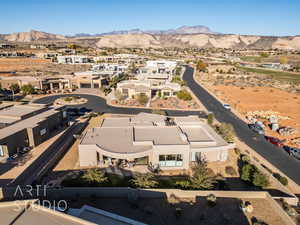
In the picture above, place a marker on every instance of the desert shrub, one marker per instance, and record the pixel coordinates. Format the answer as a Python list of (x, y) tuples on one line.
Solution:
[(142, 99), (260, 179), (183, 184), (210, 118), (144, 180), (230, 171), (281, 179), (245, 158), (178, 80), (27, 89), (226, 130), (184, 95), (94, 176), (68, 99), (247, 172)]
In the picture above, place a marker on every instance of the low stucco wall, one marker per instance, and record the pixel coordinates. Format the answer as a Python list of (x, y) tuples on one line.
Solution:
[(75, 193)]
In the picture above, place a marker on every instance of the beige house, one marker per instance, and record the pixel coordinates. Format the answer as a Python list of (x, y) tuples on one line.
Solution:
[(131, 88), (168, 143)]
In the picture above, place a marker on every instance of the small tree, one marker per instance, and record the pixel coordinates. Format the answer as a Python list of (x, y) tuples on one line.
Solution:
[(281, 179), (94, 176), (201, 66), (202, 178), (184, 95), (15, 88), (144, 180), (142, 99), (260, 180), (27, 89), (247, 172)]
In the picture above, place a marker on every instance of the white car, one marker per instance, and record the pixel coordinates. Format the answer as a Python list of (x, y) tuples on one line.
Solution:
[(226, 106)]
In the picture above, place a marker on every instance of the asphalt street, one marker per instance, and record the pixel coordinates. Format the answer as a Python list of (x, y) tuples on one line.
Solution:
[(277, 156), (98, 104)]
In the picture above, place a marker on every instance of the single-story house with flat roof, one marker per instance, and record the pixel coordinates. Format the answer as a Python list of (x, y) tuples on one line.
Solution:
[(170, 143)]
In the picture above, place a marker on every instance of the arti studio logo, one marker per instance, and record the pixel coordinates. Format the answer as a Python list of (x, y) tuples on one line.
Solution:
[(38, 191)]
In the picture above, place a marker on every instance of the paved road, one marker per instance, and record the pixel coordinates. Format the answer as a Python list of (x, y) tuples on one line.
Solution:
[(98, 104), (276, 156)]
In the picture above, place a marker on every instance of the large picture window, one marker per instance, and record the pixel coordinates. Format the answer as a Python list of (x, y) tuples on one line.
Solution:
[(172, 160)]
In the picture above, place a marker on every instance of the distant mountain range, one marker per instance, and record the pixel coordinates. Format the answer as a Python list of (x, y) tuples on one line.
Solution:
[(180, 30), (185, 36)]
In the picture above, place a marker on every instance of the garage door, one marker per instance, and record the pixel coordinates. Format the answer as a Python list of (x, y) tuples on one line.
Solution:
[(85, 85)]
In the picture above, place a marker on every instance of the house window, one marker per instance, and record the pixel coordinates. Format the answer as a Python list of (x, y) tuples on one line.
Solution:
[(1, 151), (166, 93), (64, 114), (125, 91), (43, 131), (172, 160)]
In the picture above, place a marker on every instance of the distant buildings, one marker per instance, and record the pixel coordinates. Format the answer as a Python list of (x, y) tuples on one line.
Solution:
[(159, 66), (73, 59), (169, 143), (152, 80)]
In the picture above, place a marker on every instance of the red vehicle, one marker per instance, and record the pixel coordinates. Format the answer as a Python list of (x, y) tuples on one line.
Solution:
[(275, 141)]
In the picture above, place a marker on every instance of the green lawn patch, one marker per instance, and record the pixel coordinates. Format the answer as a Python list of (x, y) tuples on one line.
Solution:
[(278, 75)]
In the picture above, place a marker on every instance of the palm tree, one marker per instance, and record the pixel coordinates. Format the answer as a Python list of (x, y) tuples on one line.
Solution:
[(144, 180)]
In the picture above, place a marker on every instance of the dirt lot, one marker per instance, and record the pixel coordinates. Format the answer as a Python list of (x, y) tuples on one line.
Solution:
[(22, 64), (263, 98), (31, 66), (159, 211)]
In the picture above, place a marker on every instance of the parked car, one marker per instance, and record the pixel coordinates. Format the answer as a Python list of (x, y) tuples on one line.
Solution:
[(226, 106), (295, 152), (12, 158), (256, 128), (275, 141), (25, 150)]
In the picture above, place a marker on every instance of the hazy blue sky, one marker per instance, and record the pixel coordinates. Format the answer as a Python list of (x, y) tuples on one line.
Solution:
[(263, 17)]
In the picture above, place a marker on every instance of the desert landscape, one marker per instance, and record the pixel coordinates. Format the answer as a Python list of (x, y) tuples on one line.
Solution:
[(250, 99)]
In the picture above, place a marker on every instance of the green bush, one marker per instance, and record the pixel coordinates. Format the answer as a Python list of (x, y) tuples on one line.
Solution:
[(68, 99), (210, 118), (227, 132), (144, 180), (247, 172), (281, 179), (184, 95), (183, 184), (142, 99), (260, 179), (245, 158)]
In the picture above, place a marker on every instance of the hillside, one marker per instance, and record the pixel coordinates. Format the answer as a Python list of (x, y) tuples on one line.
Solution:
[(182, 37)]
